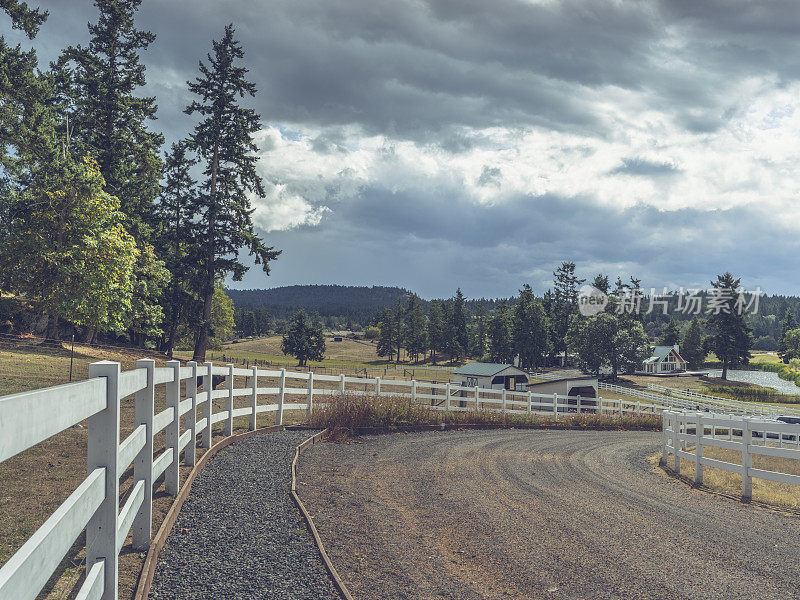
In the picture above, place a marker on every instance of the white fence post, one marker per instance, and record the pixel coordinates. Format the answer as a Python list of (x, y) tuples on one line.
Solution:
[(503, 400), (281, 395), (664, 425), (413, 390), (477, 398), (599, 405), (254, 399), (209, 406), (143, 463), (636, 409), (310, 395), (190, 456), (578, 403), (102, 451), (676, 428), (229, 401), (555, 406), (447, 396), (530, 401), (747, 459), (698, 450), (341, 383), (173, 432), (378, 387)]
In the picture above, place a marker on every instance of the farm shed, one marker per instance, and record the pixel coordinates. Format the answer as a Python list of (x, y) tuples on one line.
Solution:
[(585, 387), (494, 376)]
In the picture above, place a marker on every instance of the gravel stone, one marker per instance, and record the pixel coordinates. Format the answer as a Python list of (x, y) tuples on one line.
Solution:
[(239, 535)]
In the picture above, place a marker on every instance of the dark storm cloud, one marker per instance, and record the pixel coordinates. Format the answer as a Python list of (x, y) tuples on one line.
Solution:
[(646, 168), (419, 70), (440, 72), (434, 243)]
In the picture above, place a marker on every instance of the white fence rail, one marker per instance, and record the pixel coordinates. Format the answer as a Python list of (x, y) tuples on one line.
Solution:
[(725, 404), (29, 418), (682, 400), (743, 434)]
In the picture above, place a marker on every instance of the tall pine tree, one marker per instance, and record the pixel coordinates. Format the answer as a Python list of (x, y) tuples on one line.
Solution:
[(731, 339), (176, 230), (224, 142), (564, 303), (530, 330), (99, 85)]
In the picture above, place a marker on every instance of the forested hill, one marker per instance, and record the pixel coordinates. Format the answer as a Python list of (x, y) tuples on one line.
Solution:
[(359, 303)]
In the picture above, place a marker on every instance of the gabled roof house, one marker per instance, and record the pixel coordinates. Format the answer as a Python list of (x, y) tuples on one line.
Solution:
[(665, 359)]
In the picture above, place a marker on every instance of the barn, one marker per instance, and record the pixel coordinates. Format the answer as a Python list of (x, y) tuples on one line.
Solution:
[(585, 387), (493, 376)]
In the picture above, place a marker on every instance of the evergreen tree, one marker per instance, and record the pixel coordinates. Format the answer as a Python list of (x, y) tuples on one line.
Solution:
[(304, 340), (176, 230), (601, 283), (479, 333), (436, 328), (22, 17), (501, 334), (389, 334), (457, 341), (530, 330), (224, 142), (565, 303), (731, 338), (416, 329), (99, 84), (692, 346), (402, 328), (788, 324), (670, 334)]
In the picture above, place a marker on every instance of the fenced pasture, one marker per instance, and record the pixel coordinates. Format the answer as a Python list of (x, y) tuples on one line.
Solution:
[(737, 449), (350, 356), (171, 410)]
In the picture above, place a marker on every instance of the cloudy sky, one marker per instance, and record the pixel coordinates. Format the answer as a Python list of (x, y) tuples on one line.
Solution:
[(441, 143)]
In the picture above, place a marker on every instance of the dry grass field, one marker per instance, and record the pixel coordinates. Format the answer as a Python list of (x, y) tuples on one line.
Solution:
[(348, 356), (771, 493)]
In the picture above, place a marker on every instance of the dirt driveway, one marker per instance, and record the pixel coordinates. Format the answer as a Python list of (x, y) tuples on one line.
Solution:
[(537, 514)]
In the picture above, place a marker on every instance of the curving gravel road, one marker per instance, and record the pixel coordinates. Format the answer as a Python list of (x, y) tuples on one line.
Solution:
[(537, 514), (239, 535)]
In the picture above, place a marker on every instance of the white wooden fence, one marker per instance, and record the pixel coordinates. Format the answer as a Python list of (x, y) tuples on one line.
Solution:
[(726, 405), (746, 435), (676, 399), (29, 418)]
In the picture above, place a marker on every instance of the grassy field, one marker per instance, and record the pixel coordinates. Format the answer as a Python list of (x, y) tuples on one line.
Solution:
[(773, 493), (348, 356), (765, 357)]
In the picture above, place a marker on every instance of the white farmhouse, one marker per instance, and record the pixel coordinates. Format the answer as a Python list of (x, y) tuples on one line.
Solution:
[(665, 359)]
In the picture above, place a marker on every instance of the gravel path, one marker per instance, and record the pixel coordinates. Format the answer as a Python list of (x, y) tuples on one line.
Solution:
[(537, 514), (239, 535)]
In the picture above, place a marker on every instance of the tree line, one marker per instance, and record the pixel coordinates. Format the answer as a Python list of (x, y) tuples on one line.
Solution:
[(539, 331), (99, 225)]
